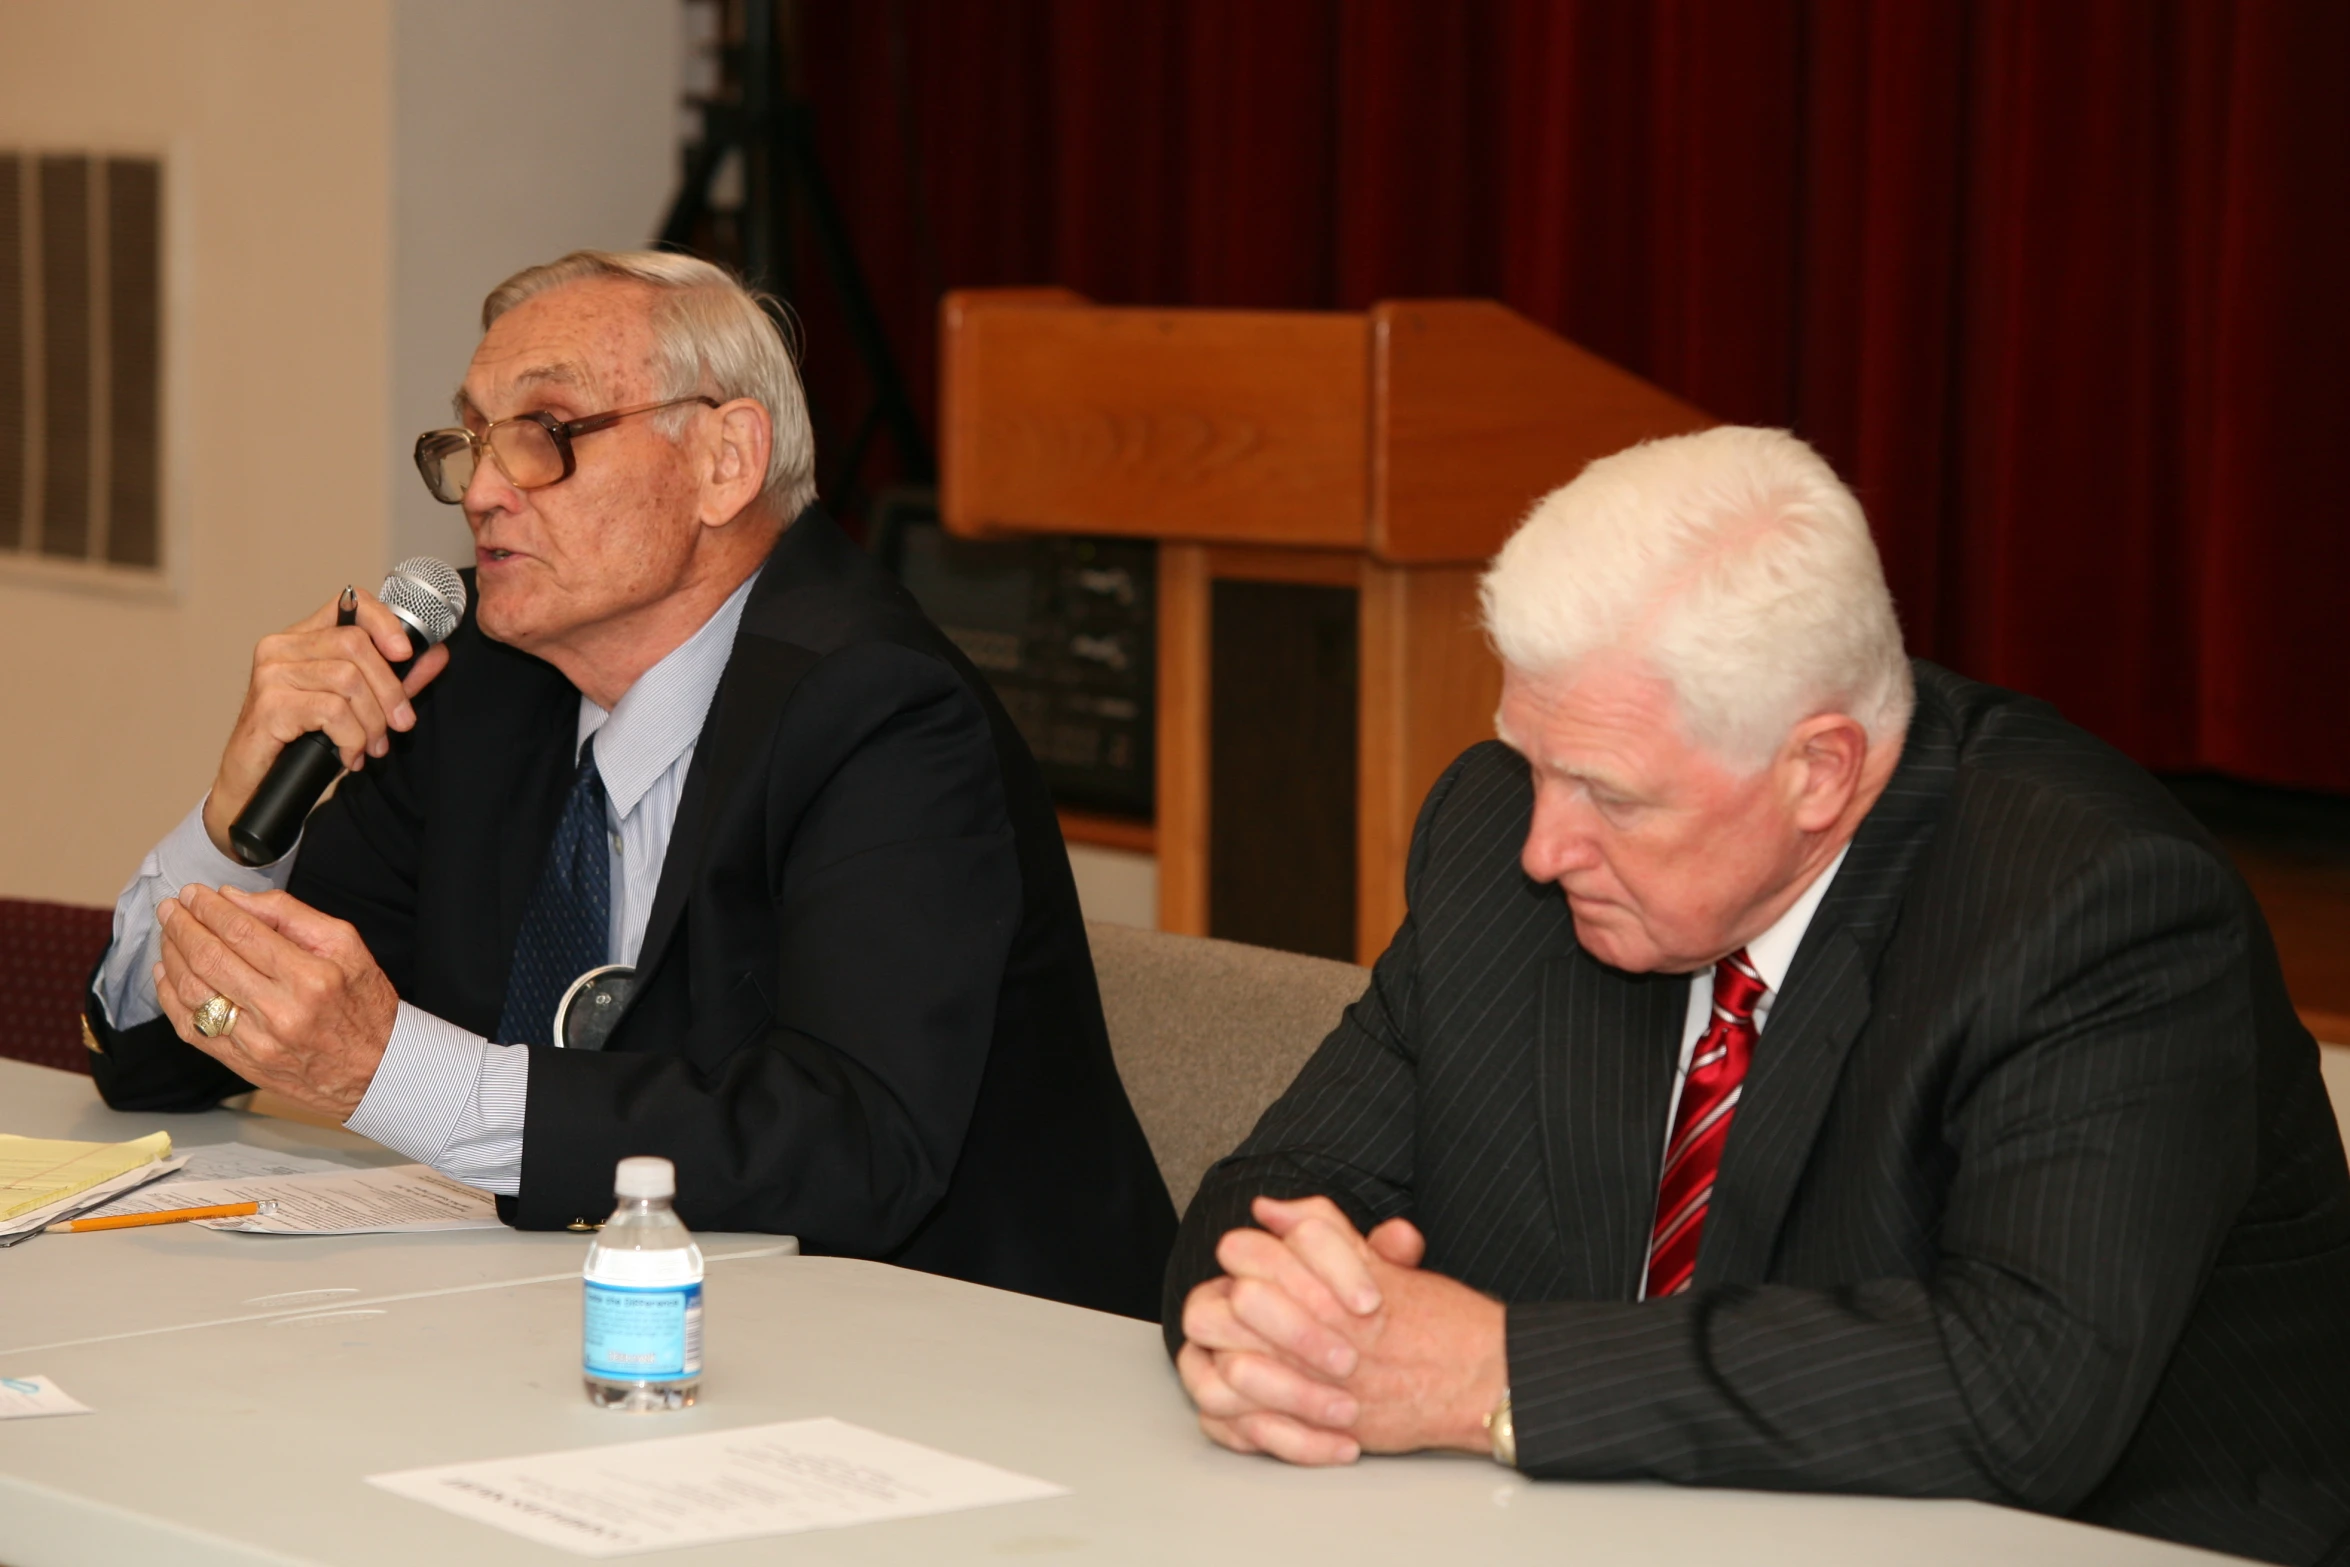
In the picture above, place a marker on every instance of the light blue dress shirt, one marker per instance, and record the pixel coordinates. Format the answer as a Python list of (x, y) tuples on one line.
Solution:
[(443, 1095)]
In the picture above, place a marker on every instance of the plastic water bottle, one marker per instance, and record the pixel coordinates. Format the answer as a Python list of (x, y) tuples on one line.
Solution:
[(641, 1337)]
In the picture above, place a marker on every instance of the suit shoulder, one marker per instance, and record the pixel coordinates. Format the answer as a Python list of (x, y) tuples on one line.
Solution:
[(822, 596), (2043, 800), (890, 672), (842, 612), (1487, 774), (1475, 815)]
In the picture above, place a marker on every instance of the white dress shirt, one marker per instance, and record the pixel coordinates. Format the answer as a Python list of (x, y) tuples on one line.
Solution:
[(443, 1095), (1772, 953)]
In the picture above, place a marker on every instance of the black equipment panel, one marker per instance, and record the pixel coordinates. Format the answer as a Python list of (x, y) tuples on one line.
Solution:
[(1065, 629)]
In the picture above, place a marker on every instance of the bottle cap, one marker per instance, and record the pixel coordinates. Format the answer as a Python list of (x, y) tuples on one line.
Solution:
[(645, 1177)]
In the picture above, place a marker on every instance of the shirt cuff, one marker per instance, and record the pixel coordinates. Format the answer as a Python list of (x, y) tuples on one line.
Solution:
[(188, 854), (185, 856), (447, 1097)]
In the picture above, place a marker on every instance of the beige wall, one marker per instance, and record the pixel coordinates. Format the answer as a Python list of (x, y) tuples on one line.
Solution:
[(343, 182), (272, 119), (521, 129)]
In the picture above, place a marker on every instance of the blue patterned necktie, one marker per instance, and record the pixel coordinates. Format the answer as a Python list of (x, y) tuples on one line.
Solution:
[(567, 929)]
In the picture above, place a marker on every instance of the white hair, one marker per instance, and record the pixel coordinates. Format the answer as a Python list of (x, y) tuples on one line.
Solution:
[(1734, 564), (713, 338)]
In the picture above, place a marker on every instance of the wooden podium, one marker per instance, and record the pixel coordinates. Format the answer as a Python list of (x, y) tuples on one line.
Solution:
[(1325, 490)]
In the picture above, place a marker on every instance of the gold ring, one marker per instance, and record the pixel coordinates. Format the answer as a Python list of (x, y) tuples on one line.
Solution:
[(215, 1017)]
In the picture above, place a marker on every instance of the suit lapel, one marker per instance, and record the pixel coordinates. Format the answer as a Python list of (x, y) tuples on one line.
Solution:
[(1609, 1044), (1796, 1064), (759, 678), (1813, 1022), (761, 671)]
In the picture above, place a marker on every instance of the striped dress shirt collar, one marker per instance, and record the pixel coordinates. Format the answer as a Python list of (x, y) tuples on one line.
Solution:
[(1773, 952)]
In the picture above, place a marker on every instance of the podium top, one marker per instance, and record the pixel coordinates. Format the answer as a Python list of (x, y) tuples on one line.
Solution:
[(1419, 431)]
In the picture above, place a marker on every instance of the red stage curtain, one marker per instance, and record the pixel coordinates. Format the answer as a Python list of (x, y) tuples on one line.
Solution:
[(2062, 289)]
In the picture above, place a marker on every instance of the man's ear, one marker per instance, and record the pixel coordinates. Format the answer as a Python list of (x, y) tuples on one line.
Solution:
[(1824, 757), (737, 461)]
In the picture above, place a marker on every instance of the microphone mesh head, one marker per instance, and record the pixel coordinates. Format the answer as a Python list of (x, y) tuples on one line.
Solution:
[(427, 594)]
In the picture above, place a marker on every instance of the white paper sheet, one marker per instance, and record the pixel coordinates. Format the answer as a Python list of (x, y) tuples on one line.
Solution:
[(217, 1162), (24, 1398), (240, 1161), (720, 1485), (397, 1198), (27, 1225)]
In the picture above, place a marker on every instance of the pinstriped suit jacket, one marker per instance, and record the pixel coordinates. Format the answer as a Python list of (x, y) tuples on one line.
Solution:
[(2033, 1194)]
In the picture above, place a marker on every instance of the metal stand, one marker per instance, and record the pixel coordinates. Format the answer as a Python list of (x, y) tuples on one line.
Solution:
[(774, 130)]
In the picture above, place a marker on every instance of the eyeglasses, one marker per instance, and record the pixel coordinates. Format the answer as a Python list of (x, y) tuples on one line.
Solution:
[(532, 450)]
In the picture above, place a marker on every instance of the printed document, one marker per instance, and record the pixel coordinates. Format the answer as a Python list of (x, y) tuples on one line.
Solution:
[(396, 1198), (216, 1162), (720, 1485)]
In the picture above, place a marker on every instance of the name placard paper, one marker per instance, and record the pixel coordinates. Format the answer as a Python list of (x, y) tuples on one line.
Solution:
[(719, 1485), (27, 1398)]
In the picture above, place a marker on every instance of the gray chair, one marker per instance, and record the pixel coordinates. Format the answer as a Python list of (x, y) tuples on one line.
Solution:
[(1208, 1033), (2335, 1060)]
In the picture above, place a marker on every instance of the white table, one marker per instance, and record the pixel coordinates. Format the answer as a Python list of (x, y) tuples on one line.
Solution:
[(232, 1427)]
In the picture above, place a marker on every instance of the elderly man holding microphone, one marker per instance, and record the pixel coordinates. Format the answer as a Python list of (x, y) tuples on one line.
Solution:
[(689, 737)]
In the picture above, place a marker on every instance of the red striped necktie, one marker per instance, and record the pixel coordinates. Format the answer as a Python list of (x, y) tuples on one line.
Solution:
[(1701, 1125)]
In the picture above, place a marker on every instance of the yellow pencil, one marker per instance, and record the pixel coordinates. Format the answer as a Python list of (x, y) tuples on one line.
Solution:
[(132, 1221)]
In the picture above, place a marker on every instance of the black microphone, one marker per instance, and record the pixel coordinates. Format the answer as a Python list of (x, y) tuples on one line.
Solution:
[(429, 598)]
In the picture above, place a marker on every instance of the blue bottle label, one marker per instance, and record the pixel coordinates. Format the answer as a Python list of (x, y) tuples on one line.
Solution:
[(634, 1333)]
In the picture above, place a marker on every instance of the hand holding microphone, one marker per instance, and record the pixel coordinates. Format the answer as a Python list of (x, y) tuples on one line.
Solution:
[(324, 697)]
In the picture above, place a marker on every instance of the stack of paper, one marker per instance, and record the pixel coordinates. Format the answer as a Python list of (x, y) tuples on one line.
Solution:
[(44, 1180)]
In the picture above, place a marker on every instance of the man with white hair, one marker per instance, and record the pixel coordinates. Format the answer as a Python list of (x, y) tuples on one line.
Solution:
[(1799, 1068), (687, 729)]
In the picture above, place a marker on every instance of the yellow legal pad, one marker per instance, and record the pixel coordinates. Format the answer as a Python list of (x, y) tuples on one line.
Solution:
[(37, 1171)]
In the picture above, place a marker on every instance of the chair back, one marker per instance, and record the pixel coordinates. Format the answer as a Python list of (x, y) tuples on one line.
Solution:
[(2335, 1061), (46, 953), (1208, 1033)]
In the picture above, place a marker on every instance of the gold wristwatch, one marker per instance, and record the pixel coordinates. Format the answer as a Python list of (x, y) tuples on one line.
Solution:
[(1502, 1431)]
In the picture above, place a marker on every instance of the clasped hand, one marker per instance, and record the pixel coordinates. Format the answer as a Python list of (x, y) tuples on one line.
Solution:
[(1320, 1343)]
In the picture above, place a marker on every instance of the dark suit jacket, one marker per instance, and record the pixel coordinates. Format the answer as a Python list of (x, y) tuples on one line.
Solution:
[(867, 1013), (2033, 1194)]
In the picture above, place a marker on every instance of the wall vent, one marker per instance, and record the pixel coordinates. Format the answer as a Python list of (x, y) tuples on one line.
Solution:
[(80, 358)]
